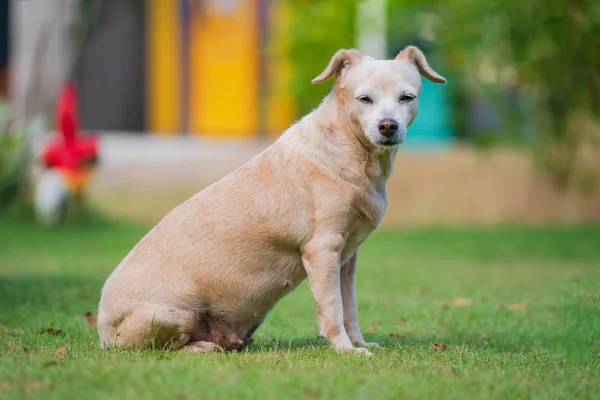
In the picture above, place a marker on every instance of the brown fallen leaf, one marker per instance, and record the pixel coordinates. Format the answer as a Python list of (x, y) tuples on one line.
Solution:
[(50, 363), (62, 352), (516, 306), (371, 329), (4, 386), (461, 302), (438, 347), (37, 385), (52, 331), (419, 290), (393, 335), (91, 319)]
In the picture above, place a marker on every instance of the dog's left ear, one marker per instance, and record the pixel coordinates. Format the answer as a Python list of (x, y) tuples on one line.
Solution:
[(340, 60), (415, 56)]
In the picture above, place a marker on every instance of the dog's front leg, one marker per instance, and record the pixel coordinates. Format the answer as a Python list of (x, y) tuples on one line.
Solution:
[(348, 284), (322, 261)]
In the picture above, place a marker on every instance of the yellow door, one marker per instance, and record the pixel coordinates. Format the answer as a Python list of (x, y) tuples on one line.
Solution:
[(224, 59), (164, 60)]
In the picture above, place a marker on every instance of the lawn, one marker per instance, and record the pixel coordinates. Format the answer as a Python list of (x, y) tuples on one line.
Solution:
[(499, 313)]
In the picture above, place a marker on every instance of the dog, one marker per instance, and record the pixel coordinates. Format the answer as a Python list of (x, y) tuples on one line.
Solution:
[(206, 276)]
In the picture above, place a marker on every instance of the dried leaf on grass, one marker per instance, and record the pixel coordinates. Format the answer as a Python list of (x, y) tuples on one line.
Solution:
[(393, 335), (7, 331), (52, 331), (419, 290), (4, 386), (516, 306), (50, 363), (371, 329), (438, 347), (462, 302), (62, 352), (37, 385), (91, 319)]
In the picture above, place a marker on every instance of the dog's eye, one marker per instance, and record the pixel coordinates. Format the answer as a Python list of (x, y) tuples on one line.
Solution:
[(365, 99), (405, 98)]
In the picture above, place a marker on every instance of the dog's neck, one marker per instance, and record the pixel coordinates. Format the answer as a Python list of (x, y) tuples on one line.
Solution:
[(347, 141)]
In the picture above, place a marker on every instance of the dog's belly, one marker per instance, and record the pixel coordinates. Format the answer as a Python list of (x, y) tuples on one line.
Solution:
[(234, 304), (248, 288)]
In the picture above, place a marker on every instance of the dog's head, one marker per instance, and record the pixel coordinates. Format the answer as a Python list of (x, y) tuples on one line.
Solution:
[(381, 98)]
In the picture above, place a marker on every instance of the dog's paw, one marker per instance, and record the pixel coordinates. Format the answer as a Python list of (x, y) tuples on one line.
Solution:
[(368, 344), (374, 345), (362, 351), (201, 347), (354, 350)]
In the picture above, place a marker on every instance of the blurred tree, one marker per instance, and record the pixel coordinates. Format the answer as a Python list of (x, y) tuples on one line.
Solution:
[(554, 46), (317, 30), (14, 161)]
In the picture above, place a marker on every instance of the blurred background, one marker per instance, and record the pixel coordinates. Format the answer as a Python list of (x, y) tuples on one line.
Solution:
[(180, 92)]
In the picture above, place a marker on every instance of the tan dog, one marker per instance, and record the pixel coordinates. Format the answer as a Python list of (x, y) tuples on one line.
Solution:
[(206, 276)]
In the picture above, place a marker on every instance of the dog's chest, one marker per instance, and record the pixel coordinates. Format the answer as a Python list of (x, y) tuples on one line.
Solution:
[(370, 211), (371, 208)]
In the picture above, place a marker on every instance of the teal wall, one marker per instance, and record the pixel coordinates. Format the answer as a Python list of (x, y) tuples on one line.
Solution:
[(433, 127)]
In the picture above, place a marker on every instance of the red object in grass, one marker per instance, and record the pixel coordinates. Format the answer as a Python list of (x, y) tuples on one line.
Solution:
[(71, 151)]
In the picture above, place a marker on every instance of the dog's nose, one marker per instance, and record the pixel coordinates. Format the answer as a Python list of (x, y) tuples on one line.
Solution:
[(388, 127)]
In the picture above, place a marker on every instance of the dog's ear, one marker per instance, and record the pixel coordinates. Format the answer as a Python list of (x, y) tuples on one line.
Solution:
[(340, 60), (415, 56)]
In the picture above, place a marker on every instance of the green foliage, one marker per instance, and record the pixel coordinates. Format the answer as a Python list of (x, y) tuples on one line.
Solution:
[(555, 46), (318, 29), (14, 160)]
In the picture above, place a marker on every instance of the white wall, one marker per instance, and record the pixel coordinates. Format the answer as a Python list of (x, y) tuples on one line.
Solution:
[(42, 27), (371, 26)]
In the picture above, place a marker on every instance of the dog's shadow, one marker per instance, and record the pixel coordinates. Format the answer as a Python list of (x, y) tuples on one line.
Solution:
[(283, 344), (495, 342)]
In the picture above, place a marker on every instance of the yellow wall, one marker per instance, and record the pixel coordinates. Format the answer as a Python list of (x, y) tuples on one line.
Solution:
[(164, 60), (224, 93)]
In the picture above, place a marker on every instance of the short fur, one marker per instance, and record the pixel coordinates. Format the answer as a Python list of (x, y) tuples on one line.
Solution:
[(206, 276)]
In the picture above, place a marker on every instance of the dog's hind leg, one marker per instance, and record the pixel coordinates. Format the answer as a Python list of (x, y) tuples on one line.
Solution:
[(149, 327)]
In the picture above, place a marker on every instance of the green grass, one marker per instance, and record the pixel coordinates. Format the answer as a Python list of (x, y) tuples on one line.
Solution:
[(407, 281)]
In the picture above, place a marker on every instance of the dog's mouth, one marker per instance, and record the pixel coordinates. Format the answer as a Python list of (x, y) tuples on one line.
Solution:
[(390, 142)]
